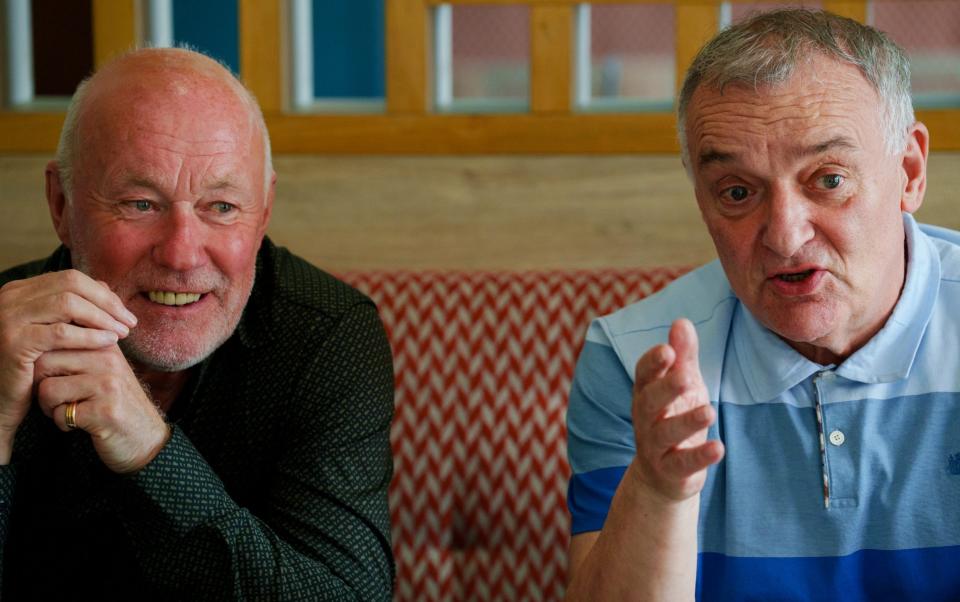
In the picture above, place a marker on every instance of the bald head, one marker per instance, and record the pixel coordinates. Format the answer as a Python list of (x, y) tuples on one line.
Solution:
[(165, 76)]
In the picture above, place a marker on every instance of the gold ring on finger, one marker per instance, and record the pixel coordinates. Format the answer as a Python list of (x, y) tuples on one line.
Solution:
[(70, 415)]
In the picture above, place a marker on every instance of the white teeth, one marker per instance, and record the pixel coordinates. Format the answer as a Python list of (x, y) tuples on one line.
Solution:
[(171, 298)]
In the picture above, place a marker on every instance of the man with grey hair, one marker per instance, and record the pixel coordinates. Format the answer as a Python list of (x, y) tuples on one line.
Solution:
[(187, 411), (784, 423)]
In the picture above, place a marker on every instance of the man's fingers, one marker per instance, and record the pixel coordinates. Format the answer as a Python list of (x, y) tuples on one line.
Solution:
[(54, 391), (59, 415), (99, 294), (673, 393), (46, 337), (71, 307), (685, 462), (652, 366), (61, 362), (55, 284), (673, 431), (683, 339)]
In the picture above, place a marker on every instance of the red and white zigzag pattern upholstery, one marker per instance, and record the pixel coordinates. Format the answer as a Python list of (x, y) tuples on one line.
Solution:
[(483, 365)]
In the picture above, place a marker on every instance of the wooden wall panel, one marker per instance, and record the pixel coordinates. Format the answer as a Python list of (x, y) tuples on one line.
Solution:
[(464, 212), (855, 9), (261, 51), (408, 85), (697, 22), (551, 59), (408, 127), (474, 134), (114, 29)]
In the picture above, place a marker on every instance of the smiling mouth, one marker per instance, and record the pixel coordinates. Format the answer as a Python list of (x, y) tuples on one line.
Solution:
[(172, 298), (797, 277)]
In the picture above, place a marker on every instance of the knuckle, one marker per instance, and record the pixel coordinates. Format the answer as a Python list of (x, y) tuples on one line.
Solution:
[(72, 277), (7, 289), (45, 390), (110, 361), (66, 302), (684, 381), (112, 385), (60, 331), (109, 413)]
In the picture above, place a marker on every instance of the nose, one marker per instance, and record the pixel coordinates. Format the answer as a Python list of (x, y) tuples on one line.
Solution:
[(180, 245), (788, 224)]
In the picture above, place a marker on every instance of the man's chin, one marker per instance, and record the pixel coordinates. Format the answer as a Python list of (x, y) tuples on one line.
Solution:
[(169, 355), (805, 325)]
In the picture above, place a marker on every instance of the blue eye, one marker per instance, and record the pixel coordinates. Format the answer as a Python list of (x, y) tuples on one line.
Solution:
[(222, 207), (141, 205), (831, 181), (736, 193)]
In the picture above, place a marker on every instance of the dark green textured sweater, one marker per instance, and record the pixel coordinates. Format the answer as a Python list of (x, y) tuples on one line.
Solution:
[(272, 487)]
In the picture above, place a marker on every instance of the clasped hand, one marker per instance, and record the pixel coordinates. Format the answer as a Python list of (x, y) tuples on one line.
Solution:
[(58, 340)]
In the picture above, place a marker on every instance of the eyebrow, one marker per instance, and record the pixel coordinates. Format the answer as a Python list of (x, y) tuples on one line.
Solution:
[(141, 181), (147, 182), (223, 184), (712, 156), (837, 142)]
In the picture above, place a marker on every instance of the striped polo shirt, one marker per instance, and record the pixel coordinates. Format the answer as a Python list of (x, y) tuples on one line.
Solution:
[(839, 482)]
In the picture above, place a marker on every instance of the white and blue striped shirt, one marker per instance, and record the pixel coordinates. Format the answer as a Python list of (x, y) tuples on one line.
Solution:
[(891, 529)]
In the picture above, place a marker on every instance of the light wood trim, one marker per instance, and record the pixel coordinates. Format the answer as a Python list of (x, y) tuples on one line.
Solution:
[(114, 29), (261, 51), (841, 3), (696, 22), (551, 2), (408, 128), (551, 58), (406, 56), (456, 134), (944, 126), (854, 9), (451, 134), (29, 132)]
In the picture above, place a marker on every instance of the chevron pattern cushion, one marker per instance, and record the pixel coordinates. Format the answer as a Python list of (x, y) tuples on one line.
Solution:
[(483, 365)]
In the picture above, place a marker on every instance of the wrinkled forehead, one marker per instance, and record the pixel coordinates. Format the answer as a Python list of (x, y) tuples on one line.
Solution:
[(131, 91), (185, 111), (817, 74), (820, 96)]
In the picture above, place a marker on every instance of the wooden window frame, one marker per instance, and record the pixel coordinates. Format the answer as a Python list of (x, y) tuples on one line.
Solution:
[(408, 126)]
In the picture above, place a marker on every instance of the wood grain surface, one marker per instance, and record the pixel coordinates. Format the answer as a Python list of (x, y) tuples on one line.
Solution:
[(350, 213)]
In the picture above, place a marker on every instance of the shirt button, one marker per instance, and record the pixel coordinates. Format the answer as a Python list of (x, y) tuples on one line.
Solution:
[(837, 438)]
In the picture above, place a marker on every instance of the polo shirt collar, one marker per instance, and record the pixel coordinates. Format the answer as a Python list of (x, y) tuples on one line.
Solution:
[(772, 367)]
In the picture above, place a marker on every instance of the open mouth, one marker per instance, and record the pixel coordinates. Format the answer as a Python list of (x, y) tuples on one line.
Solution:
[(795, 277), (173, 299)]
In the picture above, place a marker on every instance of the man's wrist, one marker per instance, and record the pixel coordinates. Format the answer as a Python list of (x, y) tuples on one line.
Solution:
[(6, 445), (652, 500)]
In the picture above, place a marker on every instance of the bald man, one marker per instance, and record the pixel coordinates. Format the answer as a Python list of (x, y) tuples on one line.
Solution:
[(186, 410)]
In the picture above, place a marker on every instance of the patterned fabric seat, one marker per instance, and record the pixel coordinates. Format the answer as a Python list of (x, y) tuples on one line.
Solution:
[(483, 366)]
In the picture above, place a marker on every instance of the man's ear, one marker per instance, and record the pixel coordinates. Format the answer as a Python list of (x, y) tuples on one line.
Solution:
[(57, 203), (914, 167), (268, 204)]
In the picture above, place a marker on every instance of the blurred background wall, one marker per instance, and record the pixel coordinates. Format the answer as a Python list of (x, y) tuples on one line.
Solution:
[(413, 134)]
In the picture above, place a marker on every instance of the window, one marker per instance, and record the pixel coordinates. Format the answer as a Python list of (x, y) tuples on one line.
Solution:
[(482, 58), (626, 58)]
